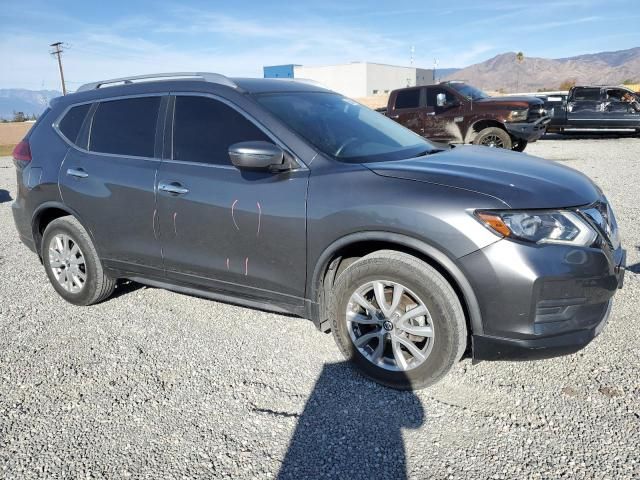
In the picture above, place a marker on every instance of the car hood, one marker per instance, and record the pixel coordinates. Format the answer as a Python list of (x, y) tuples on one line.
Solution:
[(518, 180)]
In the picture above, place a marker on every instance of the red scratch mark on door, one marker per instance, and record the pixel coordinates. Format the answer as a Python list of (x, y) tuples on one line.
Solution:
[(259, 218), (246, 266), (175, 230), (233, 206)]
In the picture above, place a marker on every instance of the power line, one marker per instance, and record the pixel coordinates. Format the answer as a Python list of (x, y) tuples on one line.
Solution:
[(57, 52)]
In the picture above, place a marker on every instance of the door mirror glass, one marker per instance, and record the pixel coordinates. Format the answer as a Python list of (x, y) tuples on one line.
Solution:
[(256, 155)]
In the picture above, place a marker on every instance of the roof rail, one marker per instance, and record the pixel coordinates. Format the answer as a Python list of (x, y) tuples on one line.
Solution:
[(205, 76)]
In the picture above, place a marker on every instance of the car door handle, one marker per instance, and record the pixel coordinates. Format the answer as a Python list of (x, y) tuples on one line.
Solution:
[(431, 114), (173, 188), (77, 172)]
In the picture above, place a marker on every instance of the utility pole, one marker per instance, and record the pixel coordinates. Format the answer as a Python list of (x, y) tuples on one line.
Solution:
[(57, 52), (435, 66)]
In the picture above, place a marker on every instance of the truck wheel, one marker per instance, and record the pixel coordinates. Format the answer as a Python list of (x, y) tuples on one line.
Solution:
[(398, 320), (519, 145), (493, 137), (72, 263)]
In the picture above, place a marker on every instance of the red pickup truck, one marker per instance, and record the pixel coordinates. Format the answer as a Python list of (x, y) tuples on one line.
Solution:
[(455, 112)]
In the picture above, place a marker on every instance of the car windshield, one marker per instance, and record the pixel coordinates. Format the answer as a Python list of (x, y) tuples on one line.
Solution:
[(472, 93), (344, 129)]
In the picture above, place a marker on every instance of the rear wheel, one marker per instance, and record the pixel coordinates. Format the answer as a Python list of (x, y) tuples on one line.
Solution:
[(398, 320), (519, 145), (72, 263), (493, 137)]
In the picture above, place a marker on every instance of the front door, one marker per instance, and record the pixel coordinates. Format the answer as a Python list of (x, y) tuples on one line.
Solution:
[(620, 109), (109, 181), (443, 123), (243, 232)]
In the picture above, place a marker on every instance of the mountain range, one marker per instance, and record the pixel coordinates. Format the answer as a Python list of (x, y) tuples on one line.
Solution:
[(29, 102), (504, 73)]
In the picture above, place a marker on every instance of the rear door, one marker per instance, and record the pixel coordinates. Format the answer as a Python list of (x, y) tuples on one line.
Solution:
[(408, 109), (108, 179), (227, 230), (584, 108)]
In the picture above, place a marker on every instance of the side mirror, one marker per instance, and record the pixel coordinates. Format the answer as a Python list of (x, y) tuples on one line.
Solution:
[(258, 155), (441, 99)]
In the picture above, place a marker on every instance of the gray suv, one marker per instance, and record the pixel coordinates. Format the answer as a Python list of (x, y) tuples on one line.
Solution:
[(284, 196)]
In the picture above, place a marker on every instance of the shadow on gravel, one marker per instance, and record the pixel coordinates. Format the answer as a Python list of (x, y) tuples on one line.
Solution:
[(351, 428), (124, 287), (5, 196), (634, 267)]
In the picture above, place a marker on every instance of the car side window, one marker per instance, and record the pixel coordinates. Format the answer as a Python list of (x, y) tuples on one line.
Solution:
[(205, 128), (71, 123), (408, 99), (586, 94), (125, 127), (432, 94)]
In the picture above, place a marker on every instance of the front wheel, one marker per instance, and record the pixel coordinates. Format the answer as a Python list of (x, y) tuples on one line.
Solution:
[(398, 320), (493, 137)]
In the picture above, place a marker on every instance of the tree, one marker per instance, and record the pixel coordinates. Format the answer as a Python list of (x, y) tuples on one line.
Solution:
[(568, 84), (19, 116), (519, 59), (628, 81)]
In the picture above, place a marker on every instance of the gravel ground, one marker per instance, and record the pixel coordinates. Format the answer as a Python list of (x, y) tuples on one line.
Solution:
[(157, 384)]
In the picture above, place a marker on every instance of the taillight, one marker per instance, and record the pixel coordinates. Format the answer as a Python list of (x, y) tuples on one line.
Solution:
[(22, 152)]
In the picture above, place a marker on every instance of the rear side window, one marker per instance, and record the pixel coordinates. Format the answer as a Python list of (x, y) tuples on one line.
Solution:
[(71, 123), (204, 129), (125, 127), (587, 94), (408, 99)]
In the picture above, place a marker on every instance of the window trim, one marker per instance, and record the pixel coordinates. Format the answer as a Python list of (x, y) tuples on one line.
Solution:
[(89, 118), (169, 125)]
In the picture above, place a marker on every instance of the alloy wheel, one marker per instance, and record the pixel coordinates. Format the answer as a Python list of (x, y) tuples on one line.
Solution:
[(493, 141), (67, 263), (390, 325)]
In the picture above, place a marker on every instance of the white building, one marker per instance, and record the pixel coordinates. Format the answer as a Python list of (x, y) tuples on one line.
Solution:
[(357, 79)]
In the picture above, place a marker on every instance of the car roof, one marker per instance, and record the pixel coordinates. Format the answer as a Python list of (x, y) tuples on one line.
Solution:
[(272, 85), (152, 84)]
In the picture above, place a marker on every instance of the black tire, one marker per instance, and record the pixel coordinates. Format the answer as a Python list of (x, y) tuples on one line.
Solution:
[(446, 316), (493, 137), (519, 145), (97, 285)]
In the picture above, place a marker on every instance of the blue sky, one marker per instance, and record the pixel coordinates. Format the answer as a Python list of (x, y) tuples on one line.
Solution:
[(115, 38)]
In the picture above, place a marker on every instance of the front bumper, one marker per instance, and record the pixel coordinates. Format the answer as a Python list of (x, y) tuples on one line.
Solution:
[(529, 131), (541, 301)]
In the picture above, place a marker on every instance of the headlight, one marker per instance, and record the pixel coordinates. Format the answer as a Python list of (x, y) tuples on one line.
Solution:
[(518, 115), (563, 227)]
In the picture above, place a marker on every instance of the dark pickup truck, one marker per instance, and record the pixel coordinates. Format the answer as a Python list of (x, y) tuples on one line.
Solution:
[(593, 108), (455, 112)]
